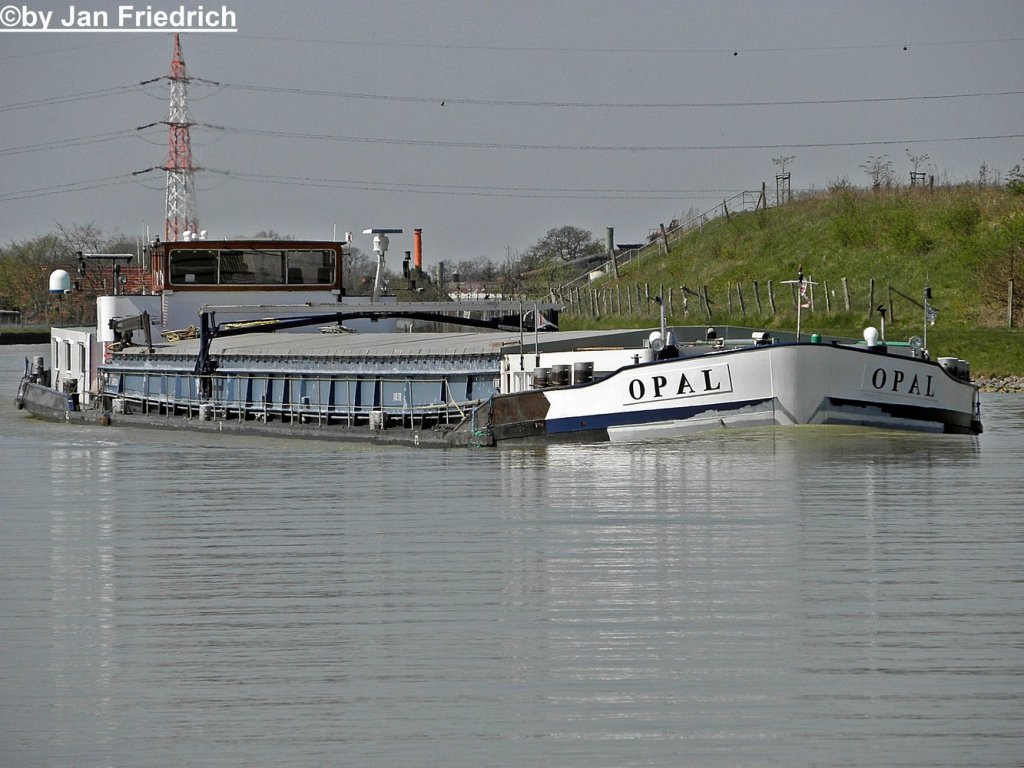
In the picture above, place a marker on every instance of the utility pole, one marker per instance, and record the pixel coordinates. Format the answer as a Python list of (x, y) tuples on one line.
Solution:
[(181, 215)]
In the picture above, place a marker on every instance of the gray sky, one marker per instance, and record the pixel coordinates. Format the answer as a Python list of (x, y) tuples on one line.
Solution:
[(486, 124)]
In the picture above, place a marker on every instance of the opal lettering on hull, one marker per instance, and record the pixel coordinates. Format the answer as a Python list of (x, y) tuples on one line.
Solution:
[(674, 385), (899, 382)]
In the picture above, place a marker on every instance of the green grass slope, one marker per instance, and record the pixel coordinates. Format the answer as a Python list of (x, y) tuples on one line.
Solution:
[(966, 242)]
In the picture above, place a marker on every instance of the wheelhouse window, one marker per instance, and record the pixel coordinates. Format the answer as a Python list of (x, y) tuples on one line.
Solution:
[(194, 267), (269, 267)]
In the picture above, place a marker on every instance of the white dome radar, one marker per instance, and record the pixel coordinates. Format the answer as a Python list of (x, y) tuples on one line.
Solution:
[(60, 281)]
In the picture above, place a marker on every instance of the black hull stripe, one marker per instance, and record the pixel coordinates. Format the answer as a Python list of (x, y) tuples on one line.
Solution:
[(629, 418), (952, 421)]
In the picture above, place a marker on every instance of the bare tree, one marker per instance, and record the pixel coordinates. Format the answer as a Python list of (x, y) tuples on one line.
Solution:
[(564, 243), (879, 168), (916, 160), (510, 275), (1005, 266), (82, 237), (270, 234), (783, 161), (24, 274), (984, 174), (358, 271), (480, 269)]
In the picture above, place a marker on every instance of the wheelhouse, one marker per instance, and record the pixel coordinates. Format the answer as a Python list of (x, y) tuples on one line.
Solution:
[(259, 265)]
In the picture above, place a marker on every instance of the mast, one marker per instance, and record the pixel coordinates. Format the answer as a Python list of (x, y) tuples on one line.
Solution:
[(181, 215)]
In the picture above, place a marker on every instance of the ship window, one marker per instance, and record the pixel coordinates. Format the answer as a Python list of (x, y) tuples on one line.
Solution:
[(310, 267), (237, 268), (250, 266), (190, 267), (266, 267)]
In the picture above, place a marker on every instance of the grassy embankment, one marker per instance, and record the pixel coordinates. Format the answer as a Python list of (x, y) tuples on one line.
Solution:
[(965, 242)]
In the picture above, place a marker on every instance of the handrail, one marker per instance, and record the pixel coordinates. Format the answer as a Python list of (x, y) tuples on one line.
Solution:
[(243, 403), (656, 243)]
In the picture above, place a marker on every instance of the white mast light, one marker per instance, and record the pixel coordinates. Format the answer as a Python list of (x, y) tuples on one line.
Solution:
[(380, 247)]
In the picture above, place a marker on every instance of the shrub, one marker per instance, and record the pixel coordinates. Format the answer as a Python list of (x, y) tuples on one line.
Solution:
[(1015, 183), (962, 217)]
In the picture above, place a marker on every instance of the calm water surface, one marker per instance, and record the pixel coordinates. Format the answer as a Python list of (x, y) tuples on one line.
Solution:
[(807, 597)]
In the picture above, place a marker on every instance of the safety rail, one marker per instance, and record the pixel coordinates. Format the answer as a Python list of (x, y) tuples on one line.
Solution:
[(319, 400), (663, 238)]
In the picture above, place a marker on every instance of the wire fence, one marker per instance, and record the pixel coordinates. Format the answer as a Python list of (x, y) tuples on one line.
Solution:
[(662, 239), (751, 300)]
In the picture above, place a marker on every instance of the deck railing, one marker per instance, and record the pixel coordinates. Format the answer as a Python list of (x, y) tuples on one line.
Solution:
[(306, 399), (662, 239)]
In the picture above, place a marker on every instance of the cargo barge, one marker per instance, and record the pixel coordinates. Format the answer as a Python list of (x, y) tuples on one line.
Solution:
[(298, 358)]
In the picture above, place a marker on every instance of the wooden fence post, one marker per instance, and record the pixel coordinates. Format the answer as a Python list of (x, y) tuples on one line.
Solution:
[(771, 296), (757, 291), (707, 303), (828, 301), (871, 298), (739, 295), (1009, 305)]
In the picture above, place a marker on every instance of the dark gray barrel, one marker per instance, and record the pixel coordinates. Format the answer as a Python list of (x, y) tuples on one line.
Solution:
[(541, 377), (560, 375), (582, 373)]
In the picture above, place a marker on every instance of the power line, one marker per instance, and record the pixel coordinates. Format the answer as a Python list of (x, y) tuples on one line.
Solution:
[(72, 186), (376, 42), (98, 93), (449, 100), (606, 105), (96, 138), (609, 147), (481, 191)]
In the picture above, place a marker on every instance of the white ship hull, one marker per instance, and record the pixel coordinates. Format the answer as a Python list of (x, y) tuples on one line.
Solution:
[(772, 385)]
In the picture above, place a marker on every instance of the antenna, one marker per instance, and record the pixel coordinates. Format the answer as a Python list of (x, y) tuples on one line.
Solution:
[(116, 280), (805, 298), (181, 213)]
